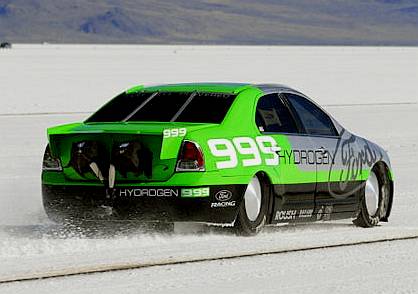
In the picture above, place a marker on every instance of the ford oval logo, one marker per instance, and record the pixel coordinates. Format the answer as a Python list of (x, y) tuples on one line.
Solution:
[(223, 195)]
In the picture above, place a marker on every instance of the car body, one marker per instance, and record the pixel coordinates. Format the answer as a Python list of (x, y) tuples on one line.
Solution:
[(220, 153)]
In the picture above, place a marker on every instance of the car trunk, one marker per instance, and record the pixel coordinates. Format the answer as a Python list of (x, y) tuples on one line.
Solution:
[(139, 152)]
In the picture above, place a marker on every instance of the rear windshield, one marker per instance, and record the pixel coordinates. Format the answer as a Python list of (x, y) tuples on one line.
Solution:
[(166, 107)]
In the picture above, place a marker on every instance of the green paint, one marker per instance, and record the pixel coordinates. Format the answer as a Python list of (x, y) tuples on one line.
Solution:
[(239, 122), (134, 89)]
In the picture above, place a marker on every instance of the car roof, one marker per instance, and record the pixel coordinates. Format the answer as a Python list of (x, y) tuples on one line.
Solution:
[(220, 87), (225, 87)]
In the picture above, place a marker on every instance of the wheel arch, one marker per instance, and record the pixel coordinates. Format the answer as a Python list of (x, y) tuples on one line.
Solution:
[(266, 179), (384, 168)]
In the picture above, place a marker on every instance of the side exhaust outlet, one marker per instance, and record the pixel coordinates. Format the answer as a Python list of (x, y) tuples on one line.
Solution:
[(132, 157), (86, 157)]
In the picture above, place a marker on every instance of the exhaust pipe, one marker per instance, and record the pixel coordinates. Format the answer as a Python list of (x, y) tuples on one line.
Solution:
[(86, 156), (112, 175), (95, 168)]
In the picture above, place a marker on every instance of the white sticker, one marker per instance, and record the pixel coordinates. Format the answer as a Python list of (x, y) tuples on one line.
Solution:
[(250, 148), (173, 133), (269, 146), (247, 146), (223, 148)]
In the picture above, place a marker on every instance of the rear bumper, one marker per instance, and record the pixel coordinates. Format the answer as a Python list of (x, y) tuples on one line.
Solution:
[(142, 203)]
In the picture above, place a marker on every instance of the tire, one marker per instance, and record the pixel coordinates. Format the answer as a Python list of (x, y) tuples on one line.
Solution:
[(375, 199), (252, 214)]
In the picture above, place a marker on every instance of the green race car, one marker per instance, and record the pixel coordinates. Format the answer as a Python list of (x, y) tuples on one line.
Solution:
[(231, 154)]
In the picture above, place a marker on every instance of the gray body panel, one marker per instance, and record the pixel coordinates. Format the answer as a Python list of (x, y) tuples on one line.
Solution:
[(347, 153), (362, 144)]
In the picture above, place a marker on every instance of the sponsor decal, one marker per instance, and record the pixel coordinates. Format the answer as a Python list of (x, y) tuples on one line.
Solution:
[(305, 213), (223, 195), (263, 150), (195, 192), (324, 213), (138, 192), (250, 148), (306, 157), (355, 153), (286, 215), (223, 204)]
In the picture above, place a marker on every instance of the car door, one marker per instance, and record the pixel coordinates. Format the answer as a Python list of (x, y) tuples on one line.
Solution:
[(295, 181), (332, 194)]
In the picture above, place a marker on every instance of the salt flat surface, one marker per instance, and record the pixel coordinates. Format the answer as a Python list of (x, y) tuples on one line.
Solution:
[(79, 78), (379, 268), (45, 78)]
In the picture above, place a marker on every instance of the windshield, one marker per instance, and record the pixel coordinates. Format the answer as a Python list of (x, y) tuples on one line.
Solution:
[(193, 107)]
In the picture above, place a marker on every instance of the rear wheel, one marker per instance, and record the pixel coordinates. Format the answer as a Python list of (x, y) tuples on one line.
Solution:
[(252, 215), (375, 200)]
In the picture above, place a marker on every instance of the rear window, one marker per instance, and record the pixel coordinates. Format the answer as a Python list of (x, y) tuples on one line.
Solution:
[(162, 107), (166, 107), (207, 108), (118, 108)]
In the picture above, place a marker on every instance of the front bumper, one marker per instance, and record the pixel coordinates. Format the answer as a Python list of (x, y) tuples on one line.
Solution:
[(144, 203)]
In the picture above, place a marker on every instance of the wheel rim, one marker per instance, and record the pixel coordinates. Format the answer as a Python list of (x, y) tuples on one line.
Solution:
[(252, 199), (372, 194)]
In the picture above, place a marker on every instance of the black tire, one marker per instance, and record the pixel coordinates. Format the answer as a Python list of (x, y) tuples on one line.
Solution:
[(243, 224), (53, 215), (364, 219)]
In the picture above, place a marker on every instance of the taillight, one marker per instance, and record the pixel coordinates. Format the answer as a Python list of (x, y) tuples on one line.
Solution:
[(50, 163), (190, 157)]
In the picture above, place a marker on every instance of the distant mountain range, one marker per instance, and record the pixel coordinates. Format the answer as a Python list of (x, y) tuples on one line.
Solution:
[(285, 22)]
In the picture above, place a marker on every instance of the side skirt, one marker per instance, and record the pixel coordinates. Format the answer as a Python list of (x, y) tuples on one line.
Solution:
[(298, 203)]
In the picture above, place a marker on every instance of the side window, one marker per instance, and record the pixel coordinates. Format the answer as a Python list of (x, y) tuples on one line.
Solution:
[(273, 116), (315, 121)]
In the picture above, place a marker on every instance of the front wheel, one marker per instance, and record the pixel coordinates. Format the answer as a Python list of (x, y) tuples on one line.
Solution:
[(252, 215), (374, 203)]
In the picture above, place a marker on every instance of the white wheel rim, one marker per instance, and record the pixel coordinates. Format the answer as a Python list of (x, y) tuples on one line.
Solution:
[(252, 199), (372, 194)]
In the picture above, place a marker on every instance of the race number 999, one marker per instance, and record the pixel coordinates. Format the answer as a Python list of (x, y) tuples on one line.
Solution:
[(173, 133), (250, 148), (223, 148)]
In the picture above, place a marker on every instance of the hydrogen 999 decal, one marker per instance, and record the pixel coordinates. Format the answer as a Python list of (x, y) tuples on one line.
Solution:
[(250, 148)]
